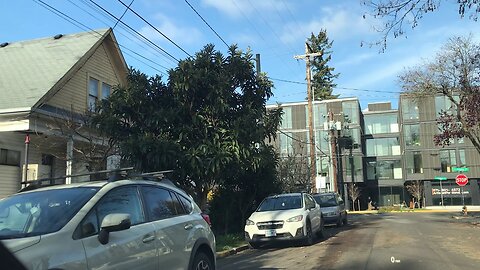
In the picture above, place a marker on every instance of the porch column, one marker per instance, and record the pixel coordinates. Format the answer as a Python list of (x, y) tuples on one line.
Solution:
[(68, 180)]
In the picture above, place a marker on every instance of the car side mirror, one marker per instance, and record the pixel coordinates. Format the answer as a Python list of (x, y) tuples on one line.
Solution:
[(113, 223)]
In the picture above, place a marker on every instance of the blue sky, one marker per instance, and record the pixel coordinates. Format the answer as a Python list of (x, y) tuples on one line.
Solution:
[(276, 29)]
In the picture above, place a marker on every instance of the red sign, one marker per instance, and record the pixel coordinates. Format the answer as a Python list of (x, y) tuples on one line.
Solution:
[(461, 180)]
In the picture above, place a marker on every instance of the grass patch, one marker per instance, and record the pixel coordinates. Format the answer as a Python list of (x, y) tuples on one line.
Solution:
[(228, 241), (387, 209)]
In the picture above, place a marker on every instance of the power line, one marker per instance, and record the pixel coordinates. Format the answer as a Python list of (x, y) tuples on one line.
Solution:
[(137, 38), (300, 141), (155, 28), (136, 32), (85, 27), (207, 23), (123, 14)]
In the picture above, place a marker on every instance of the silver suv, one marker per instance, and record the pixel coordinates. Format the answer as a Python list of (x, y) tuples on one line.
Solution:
[(127, 224), (333, 208)]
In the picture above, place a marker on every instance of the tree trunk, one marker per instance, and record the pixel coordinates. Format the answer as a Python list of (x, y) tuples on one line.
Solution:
[(358, 202)]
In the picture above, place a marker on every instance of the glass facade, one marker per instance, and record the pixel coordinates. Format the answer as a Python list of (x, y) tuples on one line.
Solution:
[(443, 103), (461, 158), (286, 144), (390, 196), (414, 163), (448, 159), (357, 167), (322, 140), (412, 135), (384, 170), (286, 118), (383, 147), (351, 110), (381, 123), (320, 115), (409, 109)]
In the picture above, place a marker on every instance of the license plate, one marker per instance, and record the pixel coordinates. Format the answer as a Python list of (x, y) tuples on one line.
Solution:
[(270, 233)]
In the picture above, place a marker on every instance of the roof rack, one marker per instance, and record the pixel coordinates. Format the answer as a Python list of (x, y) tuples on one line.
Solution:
[(51, 181)]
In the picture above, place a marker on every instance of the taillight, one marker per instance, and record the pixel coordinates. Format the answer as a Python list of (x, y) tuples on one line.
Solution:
[(206, 218)]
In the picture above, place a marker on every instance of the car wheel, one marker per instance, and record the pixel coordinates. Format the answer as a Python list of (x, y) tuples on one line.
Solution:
[(254, 245), (340, 221), (202, 262), (321, 230), (345, 220), (309, 235)]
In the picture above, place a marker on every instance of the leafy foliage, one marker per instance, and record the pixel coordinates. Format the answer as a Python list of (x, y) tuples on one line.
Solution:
[(399, 13), (455, 73), (209, 118), (323, 74)]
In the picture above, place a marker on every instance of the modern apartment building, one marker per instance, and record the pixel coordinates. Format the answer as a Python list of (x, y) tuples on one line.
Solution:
[(389, 148)]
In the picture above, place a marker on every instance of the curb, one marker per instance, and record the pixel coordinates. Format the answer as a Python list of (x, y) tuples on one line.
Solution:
[(226, 253)]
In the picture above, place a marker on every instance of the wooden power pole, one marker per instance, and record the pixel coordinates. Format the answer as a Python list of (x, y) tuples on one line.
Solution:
[(313, 159)]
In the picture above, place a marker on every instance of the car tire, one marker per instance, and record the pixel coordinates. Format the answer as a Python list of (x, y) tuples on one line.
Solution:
[(202, 262), (320, 232), (254, 245), (345, 220), (340, 221), (309, 235)]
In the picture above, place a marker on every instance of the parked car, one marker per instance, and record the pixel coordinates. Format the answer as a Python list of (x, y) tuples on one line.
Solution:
[(125, 224), (292, 216), (333, 208)]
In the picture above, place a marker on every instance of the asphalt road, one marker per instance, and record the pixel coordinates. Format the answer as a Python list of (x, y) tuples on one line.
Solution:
[(390, 241)]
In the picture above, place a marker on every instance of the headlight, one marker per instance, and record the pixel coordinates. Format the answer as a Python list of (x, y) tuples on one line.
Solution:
[(249, 222), (295, 218)]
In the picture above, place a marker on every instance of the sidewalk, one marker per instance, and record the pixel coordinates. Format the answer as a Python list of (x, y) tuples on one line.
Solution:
[(428, 209)]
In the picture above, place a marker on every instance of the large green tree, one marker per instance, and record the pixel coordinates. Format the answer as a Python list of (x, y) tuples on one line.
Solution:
[(323, 74), (209, 117)]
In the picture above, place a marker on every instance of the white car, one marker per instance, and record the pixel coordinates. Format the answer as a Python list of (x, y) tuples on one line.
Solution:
[(292, 216), (126, 224)]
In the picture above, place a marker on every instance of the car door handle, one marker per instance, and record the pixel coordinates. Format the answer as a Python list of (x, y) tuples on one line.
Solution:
[(188, 227), (148, 238)]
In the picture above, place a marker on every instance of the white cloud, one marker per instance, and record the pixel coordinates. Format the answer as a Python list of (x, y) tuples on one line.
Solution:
[(179, 34), (339, 23), (235, 8)]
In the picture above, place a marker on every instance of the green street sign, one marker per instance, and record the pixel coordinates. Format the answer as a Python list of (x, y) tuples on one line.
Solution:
[(441, 178), (457, 169)]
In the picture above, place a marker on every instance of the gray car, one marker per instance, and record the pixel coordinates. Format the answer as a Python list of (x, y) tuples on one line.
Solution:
[(332, 207), (126, 224)]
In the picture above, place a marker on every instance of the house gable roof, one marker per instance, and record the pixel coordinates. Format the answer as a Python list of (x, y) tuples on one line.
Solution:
[(30, 69)]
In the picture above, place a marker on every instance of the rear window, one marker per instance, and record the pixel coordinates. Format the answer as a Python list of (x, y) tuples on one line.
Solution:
[(41, 212), (327, 200), (281, 203)]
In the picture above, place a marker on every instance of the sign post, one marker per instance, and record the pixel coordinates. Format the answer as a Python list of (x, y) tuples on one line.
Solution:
[(440, 178), (462, 180)]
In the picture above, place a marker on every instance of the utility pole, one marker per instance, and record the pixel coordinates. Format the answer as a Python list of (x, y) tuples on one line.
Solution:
[(333, 147), (313, 161)]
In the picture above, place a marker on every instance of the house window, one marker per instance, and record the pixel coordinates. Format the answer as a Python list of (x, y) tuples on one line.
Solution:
[(106, 90), (96, 92), (47, 159), (447, 160), (383, 147), (9, 157), (350, 109), (443, 104), (381, 123)]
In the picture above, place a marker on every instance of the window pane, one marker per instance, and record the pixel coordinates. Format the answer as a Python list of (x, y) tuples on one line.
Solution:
[(409, 109), (447, 160), (187, 204), (461, 155), (414, 162), (3, 156), (122, 200), (13, 158), (106, 90), (412, 135), (383, 147), (92, 102), (93, 87), (287, 118), (350, 109), (380, 123), (177, 204), (159, 203)]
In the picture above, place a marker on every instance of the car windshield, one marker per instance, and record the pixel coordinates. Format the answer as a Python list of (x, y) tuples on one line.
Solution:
[(280, 203), (326, 200), (40, 212)]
